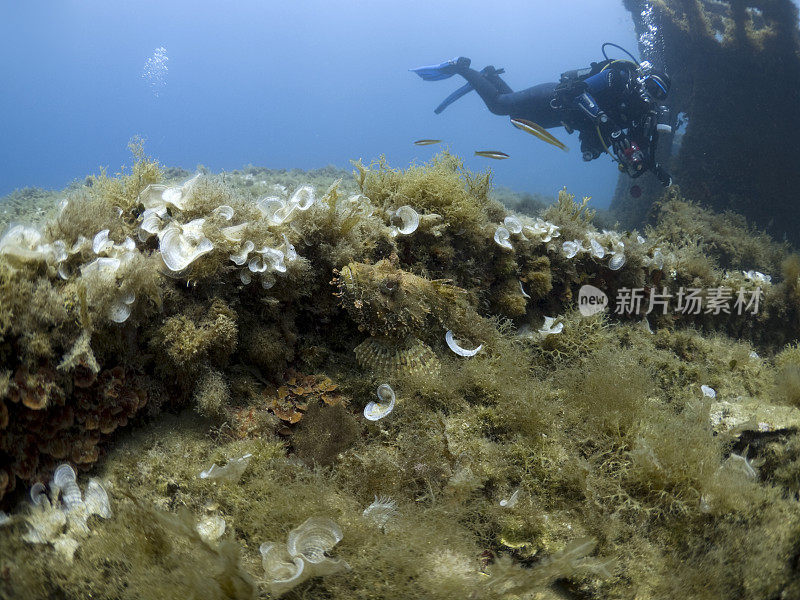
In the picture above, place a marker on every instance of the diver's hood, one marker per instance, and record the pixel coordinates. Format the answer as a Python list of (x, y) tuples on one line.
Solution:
[(658, 84)]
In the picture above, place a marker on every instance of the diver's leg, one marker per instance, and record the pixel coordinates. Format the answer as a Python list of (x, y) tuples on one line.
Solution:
[(532, 103), (495, 100), (493, 75)]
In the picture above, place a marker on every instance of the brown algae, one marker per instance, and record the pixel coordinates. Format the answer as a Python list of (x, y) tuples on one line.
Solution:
[(626, 480)]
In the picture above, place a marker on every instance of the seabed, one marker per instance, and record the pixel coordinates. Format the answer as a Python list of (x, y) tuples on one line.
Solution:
[(201, 349)]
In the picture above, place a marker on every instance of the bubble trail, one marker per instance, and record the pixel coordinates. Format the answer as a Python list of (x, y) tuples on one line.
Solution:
[(650, 40), (155, 70)]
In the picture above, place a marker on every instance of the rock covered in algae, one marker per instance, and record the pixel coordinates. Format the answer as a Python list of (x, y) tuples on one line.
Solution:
[(389, 302), (496, 417), (700, 44), (749, 414), (43, 424), (324, 434)]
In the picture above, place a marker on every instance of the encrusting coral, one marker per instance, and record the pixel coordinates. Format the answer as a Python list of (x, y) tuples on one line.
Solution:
[(516, 442)]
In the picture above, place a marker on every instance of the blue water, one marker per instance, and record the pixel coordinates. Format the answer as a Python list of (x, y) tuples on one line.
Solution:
[(285, 84)]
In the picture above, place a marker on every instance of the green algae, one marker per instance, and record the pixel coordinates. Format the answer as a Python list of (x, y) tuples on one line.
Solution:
[(624, 489)]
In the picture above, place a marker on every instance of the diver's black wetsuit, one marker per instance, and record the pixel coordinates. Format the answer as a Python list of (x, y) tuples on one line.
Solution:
[(532, 103), (605, 103)]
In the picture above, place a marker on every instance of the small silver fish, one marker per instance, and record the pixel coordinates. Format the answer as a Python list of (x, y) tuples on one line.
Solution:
[(425, 142), (538, 131), (495, 154)]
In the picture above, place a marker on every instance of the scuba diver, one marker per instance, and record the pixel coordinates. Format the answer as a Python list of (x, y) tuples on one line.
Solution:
[(613, 104)]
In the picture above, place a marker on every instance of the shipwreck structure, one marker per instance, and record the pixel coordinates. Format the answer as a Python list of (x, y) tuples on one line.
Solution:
[(735, 69)]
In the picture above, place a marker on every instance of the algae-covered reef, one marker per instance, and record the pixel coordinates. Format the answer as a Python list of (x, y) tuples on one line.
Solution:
[(205, 354), (30, 204), (735, 69)]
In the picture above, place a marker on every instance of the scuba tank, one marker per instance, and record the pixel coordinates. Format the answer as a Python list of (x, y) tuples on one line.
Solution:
[(576, 74)]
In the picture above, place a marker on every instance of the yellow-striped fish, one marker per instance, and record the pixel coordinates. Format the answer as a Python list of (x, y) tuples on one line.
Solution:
[(538, 131), (495, 154), (427, 142)]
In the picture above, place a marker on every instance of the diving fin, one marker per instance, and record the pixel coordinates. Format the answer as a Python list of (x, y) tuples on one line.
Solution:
[(462, 91), (489, 72), (440, 71)]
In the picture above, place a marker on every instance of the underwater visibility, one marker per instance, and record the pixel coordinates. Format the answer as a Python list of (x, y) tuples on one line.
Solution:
[(410, 379)]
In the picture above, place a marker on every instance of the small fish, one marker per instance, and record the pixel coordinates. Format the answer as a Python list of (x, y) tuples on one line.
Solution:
[(427, 142), (636, 191), (538, 131), (495, 154)]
